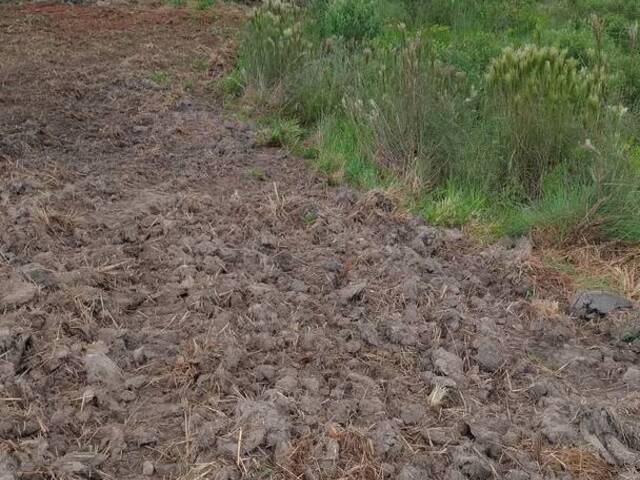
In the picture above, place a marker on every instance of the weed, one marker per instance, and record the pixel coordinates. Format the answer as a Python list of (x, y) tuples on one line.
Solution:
[(161, 78), (177, 3), (437, 396), (258, 173), (273, 45), (280, 132), (204, 4), (232, 84), (309, 218), (411, 105), (200, 65)]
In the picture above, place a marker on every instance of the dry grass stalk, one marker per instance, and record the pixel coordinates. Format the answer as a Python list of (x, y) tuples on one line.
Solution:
[(581, 464)]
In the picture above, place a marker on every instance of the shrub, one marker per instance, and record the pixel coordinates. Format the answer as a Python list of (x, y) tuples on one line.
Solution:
[(413, 105), (353, 19), (273, 46), (546, 107)]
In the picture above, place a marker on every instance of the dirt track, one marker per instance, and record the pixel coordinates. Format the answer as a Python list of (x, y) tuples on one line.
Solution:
[(176, 302)]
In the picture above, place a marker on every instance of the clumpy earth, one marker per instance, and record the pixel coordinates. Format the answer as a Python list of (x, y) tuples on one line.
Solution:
[(177, 302)]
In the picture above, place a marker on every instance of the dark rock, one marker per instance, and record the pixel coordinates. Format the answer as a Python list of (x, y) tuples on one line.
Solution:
[(598, 303)]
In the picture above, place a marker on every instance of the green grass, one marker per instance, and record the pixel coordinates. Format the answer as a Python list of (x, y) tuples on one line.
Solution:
[(204, 4), (425, 96), (162, 79), (257, 173), (280, 132)]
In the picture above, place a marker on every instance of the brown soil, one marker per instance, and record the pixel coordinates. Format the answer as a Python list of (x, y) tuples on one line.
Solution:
[(177, 302)]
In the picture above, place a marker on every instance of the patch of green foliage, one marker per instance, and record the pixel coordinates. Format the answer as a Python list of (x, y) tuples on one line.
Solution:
[(280, 132), (204, 4), (519, 115), (162, 79)]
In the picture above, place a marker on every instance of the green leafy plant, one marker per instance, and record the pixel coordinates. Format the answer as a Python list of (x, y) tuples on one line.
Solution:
[(353, 19)]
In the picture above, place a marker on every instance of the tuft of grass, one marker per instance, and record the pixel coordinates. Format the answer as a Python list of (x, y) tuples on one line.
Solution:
[(352, 19), (200, 65), (257, 173), (280, 132), (204, 4), (341, 156), (160, 78), (437, 396), (309, 218), (232, 84)]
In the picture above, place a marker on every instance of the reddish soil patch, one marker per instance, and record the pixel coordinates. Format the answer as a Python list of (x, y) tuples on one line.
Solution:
[(177, 302)]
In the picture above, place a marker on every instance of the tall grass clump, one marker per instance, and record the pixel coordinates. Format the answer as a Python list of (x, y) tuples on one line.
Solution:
[(545, 106), (273, 47), (352, 19), (411, 105)]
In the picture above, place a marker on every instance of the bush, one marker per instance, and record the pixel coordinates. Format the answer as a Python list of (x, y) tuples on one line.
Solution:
[(545, 107), (412, 103), (353, 19), (273, 46)]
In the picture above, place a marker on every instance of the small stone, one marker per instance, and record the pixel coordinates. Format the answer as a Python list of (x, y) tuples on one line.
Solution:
[(101, 369), (410, 472), (268, 240), (632, 377), (332, 264), (346, 197), (39, 275), (412, 413), (147, 468), (489, 355), (369, 334)]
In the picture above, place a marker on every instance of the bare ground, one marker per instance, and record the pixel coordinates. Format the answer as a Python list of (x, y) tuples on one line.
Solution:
[(177, 302)]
